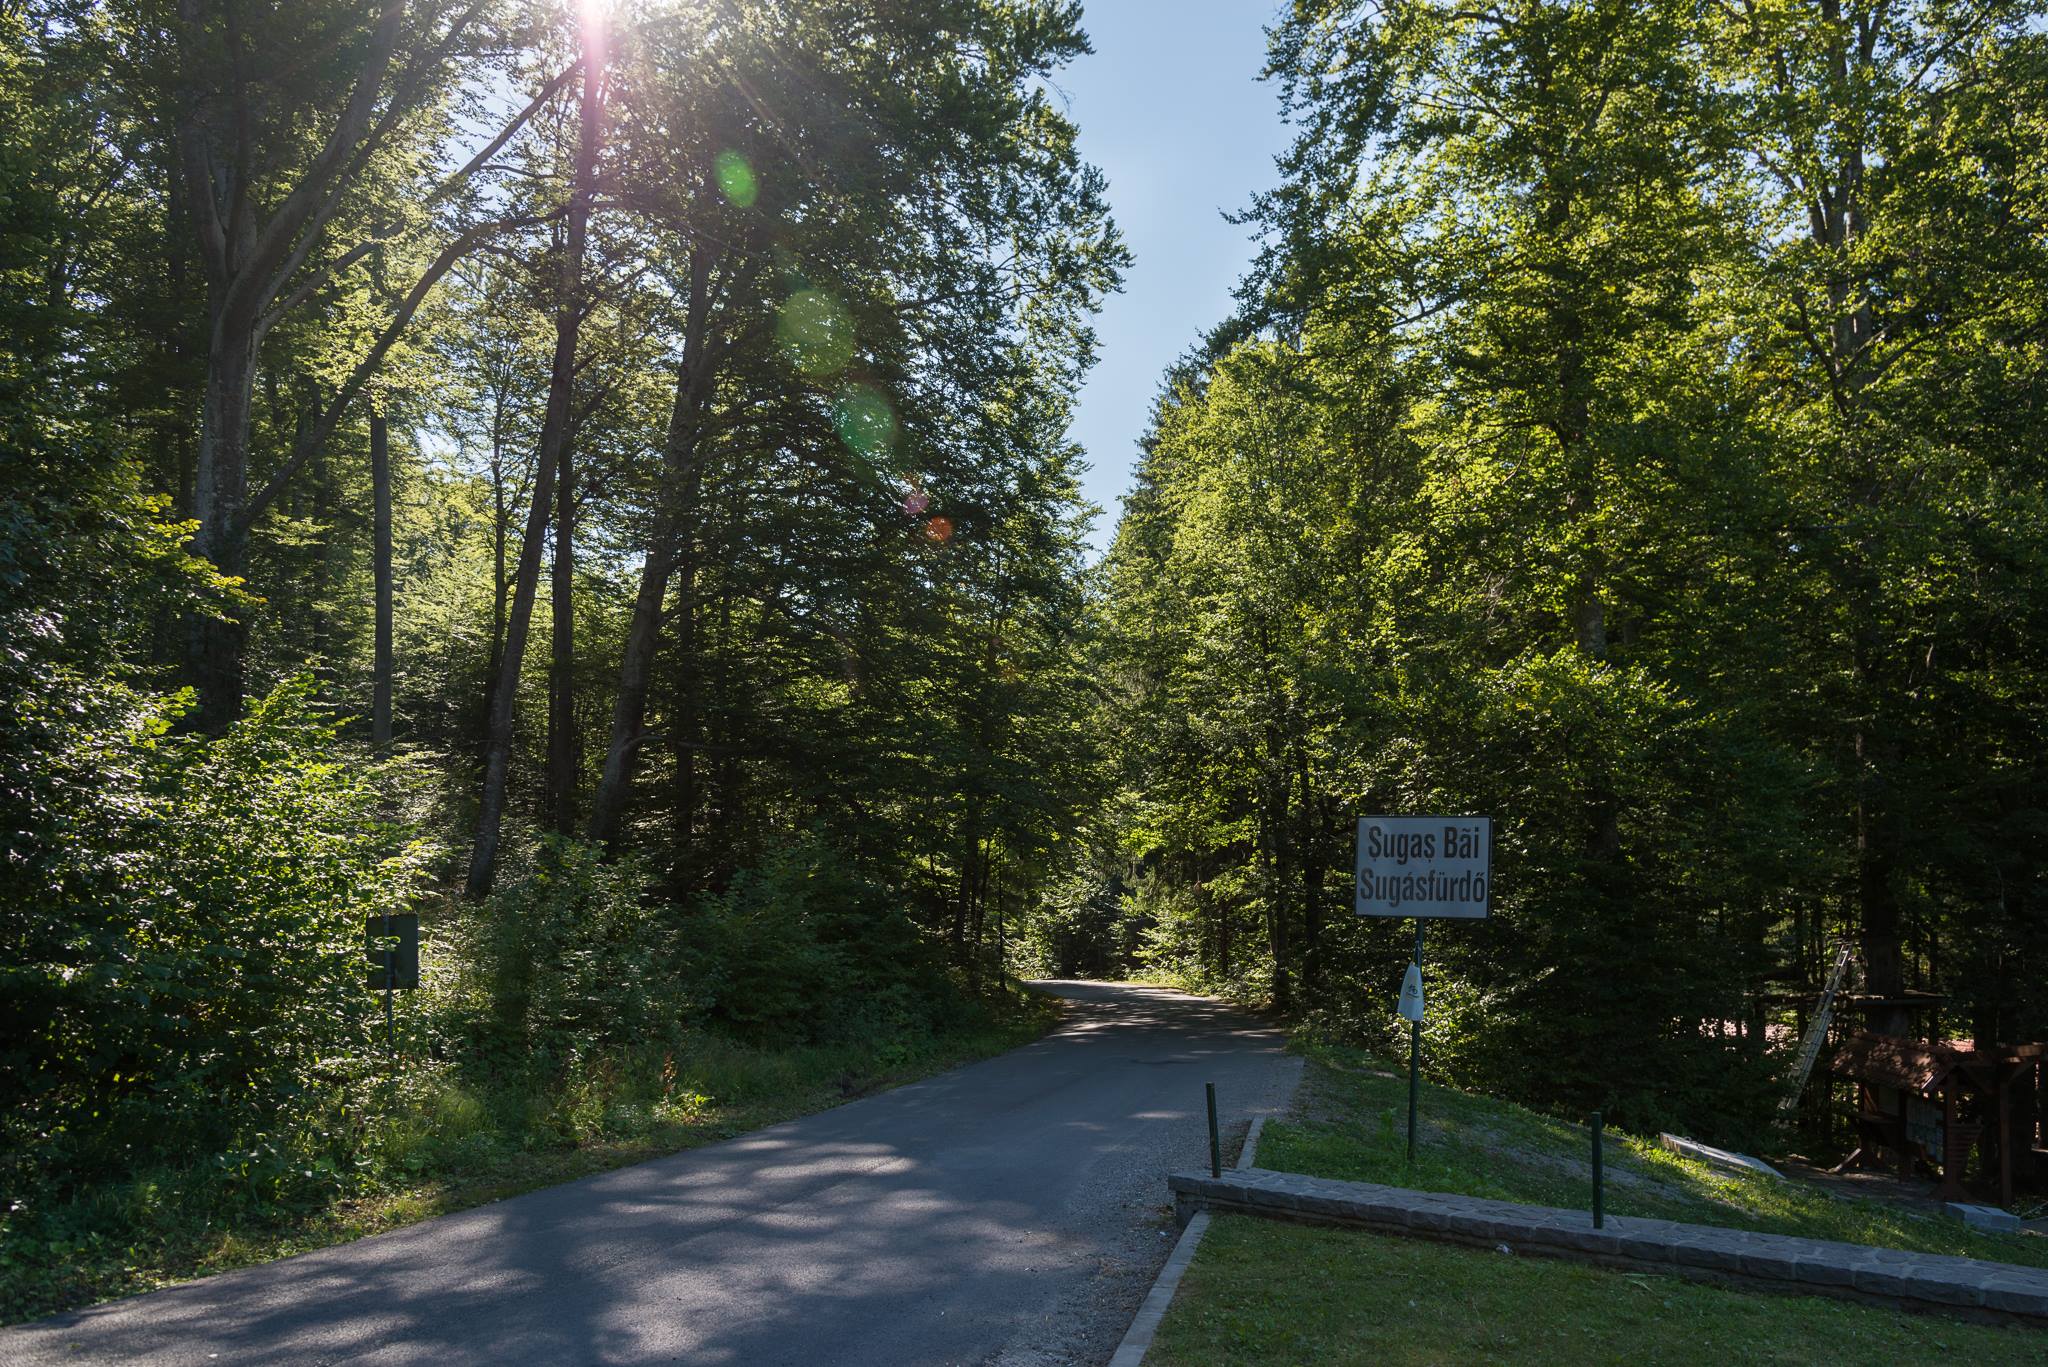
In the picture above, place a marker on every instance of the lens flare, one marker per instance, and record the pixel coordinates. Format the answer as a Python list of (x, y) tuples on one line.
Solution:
[(736, 179), (865, 422), (816, 332), (939, 530)]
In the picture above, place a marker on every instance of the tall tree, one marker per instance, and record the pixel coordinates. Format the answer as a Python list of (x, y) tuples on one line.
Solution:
[(381, 668), (1891, 258), (854, 256), (569, 311)]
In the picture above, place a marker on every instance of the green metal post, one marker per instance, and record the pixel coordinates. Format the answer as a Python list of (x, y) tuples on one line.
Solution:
[(1415, 1051), (1215, 1143), (390, 984)]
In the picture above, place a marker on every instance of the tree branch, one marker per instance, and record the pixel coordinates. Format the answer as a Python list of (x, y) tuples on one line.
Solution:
[(322, 428)]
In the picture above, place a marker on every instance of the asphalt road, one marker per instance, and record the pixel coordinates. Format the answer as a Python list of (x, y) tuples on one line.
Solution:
[(1010, 1212)]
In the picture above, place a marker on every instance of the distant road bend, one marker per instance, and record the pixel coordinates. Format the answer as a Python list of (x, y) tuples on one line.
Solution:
[(1008, 1212)]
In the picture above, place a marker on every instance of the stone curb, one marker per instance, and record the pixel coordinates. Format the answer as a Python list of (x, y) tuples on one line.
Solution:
[(1915, 1281), (1137, 1340), (1248, 1155)]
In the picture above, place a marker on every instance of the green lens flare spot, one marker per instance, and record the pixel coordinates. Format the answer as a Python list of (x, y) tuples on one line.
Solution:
[(865, 421), (816, 332), (736, 179)]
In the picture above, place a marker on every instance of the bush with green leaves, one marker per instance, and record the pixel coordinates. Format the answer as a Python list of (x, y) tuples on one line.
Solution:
[(801, 950), (184, 973), (580, 960)]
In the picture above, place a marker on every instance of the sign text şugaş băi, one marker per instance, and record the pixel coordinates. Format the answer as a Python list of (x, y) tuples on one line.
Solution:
[(1424, 865)]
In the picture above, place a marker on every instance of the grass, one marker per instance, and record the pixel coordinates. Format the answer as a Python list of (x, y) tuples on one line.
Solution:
[(1263, 1292), (1352, 1125), (440, 1148)]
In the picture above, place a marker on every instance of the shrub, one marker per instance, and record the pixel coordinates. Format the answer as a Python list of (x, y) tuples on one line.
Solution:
[(579, 961), (184, 966), (799, 950)]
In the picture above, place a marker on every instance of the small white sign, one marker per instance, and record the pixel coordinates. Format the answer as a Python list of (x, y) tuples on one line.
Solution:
[(1410, 1008), (1424, 865)]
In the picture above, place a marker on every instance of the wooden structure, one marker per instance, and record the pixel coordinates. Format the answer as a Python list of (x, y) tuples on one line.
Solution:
[(1934, 1103)]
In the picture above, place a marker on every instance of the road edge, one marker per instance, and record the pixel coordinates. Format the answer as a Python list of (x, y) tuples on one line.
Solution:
[(1137, 1340)]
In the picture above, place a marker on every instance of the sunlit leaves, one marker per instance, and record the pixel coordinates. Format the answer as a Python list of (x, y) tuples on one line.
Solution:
[(865, 422), (815, 332)]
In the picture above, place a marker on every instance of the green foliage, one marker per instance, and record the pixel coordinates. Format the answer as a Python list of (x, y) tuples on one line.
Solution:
[(1621, 438), (577, 962), (801, 951), (441, 1135), (188, 977)]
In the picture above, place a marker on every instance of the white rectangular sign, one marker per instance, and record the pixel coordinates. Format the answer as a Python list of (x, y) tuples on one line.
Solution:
[(1424, 865)]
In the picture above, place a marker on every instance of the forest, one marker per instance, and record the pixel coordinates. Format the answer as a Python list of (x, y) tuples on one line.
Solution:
[(593, 477), (598, 477), (1633, 430)]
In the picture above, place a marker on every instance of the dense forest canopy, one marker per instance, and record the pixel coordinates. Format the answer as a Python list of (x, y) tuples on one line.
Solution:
[(1633, 430), (598, 477)]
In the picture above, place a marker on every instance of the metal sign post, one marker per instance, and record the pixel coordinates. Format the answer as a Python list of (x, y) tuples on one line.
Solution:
[(391, 946), (1411, 1007), (1422, 866)]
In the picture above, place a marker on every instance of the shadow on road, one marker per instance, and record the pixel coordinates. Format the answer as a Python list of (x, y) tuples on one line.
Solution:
[(1016, 1199)]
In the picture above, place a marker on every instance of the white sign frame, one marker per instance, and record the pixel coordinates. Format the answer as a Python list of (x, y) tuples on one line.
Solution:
[(1428, 867)]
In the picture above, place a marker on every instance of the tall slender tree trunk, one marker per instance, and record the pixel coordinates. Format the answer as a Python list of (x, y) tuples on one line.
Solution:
[(247, 264), (554, 437), (689, 719), (1837, 224), (1273, 854), (380, 561), (1314, 868), (562, 653), (672, 539), (320, 486), (501, 530)]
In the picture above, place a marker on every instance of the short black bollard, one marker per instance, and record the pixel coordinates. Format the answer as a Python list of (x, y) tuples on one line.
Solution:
[(1598, 1214), (1215, 1144)]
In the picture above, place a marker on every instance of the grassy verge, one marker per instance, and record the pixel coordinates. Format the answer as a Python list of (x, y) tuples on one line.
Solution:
[(1352, 1125), (1263, 1292), (442, 1147)]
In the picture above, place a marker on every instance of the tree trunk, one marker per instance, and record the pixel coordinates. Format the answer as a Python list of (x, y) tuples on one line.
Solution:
[(562, 654), (501, 529), (214, 646), (380, 562), (1275, 855), (673, 536), (688, 723), (247, 264), (985, 867), (1313, 871), (554, 437), (319, 482), (1836, 221)]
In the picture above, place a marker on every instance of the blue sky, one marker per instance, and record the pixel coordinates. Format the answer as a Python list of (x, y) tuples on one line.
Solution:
[(1171, 108)]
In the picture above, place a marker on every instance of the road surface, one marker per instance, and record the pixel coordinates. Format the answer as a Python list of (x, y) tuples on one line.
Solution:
[(1010, 1212)]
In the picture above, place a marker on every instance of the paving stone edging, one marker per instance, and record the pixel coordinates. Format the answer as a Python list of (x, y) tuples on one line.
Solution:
[(1915, 1281), (1137, 1339)]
